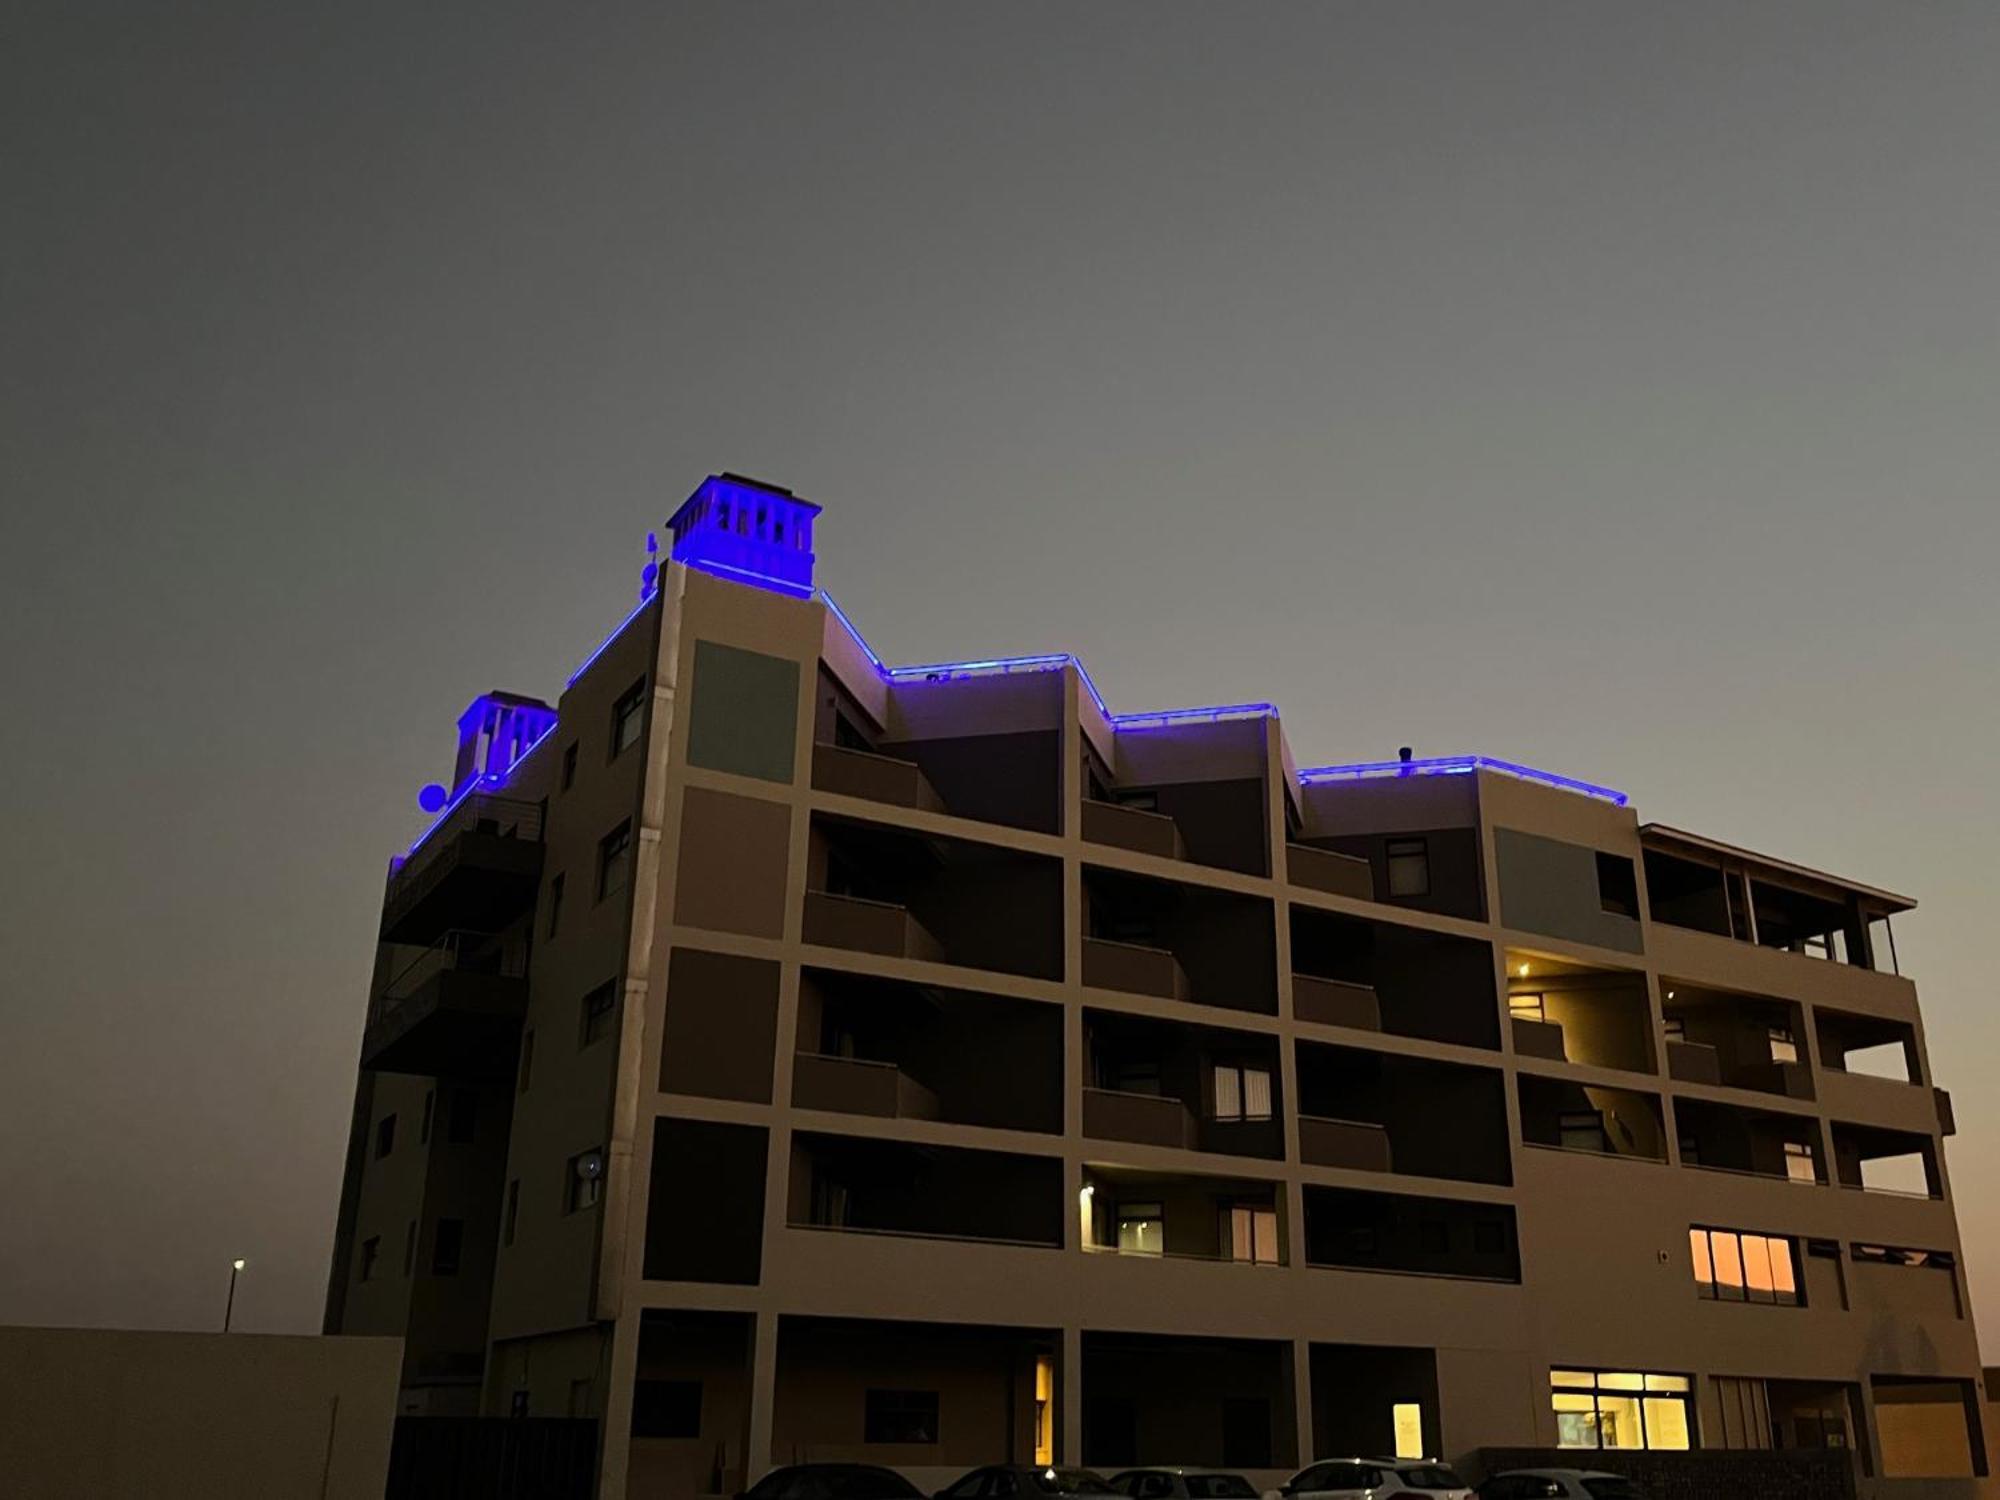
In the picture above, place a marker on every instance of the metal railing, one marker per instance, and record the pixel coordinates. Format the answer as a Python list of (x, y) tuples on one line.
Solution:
[(458, 952)]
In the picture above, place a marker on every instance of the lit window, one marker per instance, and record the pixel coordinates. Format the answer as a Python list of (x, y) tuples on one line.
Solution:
[(598, 1007), (1142, 1229), (1242, 1093), (1526, 1007), (1253, 1233), (1800, 1165), (628, 717), (1730, 1266), (586, 1181), (1045, 1412), (1409, 867), (614, 861), (1784, 1046), (1620, 1409), (1407, 1420)]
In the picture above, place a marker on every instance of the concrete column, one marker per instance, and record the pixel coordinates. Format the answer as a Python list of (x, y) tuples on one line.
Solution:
[(1302, 1405), (763, 1396), (1069, 1439)]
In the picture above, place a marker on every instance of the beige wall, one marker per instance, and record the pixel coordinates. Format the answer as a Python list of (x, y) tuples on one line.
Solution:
[(111, 1414)]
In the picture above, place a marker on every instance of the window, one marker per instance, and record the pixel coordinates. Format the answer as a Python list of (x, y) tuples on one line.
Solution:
[(569, 765), (410, 1248), (464, 1124), (1142, 1229), (371, 1249), (1253, 1233), (1620, 1409), (513, 1212), (1406, 1420), (517, 1404), (555, 904), (579, 1396), (1242, 1093), (598, 1008), (1886, 1255), (1045, 1410), (628, 718), (1409, 867), (1526, 1008), (1800, 1165), (900, 1417), (614, 861), (1676, 1028), (424, 1129), (586, 1181), (1617, 885), (1784, 1046), (1730, 1266), (448, 1247), (385, 1136), (527, 1059), (666, 1408)]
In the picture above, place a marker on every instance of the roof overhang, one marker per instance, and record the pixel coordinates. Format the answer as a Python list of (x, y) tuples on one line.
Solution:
[(1670, 840)]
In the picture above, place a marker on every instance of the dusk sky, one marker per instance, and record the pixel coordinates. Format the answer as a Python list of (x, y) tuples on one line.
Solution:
[(1610, 387)]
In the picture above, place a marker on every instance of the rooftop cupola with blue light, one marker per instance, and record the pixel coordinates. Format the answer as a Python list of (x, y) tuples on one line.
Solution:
[(749, 532)]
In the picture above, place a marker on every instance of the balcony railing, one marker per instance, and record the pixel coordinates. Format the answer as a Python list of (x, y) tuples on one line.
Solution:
[(1134, 968), (1143, 1119), (477, 866), (1134, 828), (864, 926), (876, 777), (1333, 873), (1336, 1002), (454, 1010), (1356, 1145), (859, 1086)]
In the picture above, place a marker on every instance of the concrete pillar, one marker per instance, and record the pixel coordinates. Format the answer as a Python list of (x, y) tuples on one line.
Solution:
[(1069, 1444), (1302, 1405), (763, 1396)]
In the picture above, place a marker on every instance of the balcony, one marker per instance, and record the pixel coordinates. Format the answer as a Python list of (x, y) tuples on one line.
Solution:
[(1568, 1012), (476, 870), (1132, 828), (1352, 1230), (864, 926), (1329, 872), (1142, 1119), (858, 1086), (1181, 1216), (873, 777), (1382, 976), (1165, 1083), (453, 1011), (1758, 1142), (1570, 1116), (1384, 1112), (929, 1192), (1178, 940), (1879, 1160), (896, 1050), (1729, 1040)]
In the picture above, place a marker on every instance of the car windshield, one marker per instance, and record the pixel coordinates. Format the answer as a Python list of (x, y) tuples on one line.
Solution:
[(1220, 1487), (1072, 1482), (1430, 1477), (1613, 1487)]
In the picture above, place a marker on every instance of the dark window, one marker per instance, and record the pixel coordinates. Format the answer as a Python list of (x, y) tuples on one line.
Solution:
[(666, 1408), (585, 1175), (517, 1404), (447, 1247), (464, 1117), (569, 765), (614, 861), (410, 1248), (385, 1136), (1617, 885), (628, 718), (513, 1212), (370, 1249), (430, 1105), (1246, 1432), (599, 1006), (555, 904), (527, 1059), (1409, 867), (901, 1417)]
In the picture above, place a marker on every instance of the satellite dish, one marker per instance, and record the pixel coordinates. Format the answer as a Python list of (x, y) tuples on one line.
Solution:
[(590, 1166), (433, 798)]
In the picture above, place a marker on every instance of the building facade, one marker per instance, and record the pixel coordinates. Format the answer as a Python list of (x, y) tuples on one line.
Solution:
[(776, 1055)]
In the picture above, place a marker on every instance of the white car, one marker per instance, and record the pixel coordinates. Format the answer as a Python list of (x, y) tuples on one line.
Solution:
[(1559, 1484), (1375, 1479), (1178, 1482)]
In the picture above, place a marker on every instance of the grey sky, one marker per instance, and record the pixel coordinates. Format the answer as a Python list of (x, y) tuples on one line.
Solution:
[(1612, 387)]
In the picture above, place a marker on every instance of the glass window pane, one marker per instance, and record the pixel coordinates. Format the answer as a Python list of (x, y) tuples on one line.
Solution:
[(1228, 1094), (1704, 1271), (1728, 1267), (1256, 1094), (1572, 1378), (1264, 1231), (1783, 1282), (1576, 1419), (1618, 1423), (1757, 1267), (1666, 1422), (1666, 1382), (1620, 1380)]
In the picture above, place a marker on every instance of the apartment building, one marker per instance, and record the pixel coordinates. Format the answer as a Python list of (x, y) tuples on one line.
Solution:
[(778, 1055)]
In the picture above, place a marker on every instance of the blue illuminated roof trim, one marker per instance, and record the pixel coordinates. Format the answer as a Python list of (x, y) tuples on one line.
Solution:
[(486, 781), (605, 645), (1458, 765), (1005, 666)]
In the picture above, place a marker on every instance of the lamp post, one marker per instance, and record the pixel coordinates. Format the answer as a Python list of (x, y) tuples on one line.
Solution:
[(229, 1307)]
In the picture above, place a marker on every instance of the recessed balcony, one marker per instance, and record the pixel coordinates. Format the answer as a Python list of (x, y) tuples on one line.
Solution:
[(1199, 1088), (1178, 940), (1384, 1112), (1729, 1040), (1568, 1012), (859, 1086), (453, 1010), (1182, 1216), (1133, 828), (864, 926), (873, 777), (1353, 1230), (476, 870), (1329, 872), (1382, 976)]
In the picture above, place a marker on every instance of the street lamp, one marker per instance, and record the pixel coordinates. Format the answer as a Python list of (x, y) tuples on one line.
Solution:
[(229, 1307)]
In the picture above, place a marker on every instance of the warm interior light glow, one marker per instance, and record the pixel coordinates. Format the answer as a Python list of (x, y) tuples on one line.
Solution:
[(1045, 1427), (1409, 1421), (1524, 971)]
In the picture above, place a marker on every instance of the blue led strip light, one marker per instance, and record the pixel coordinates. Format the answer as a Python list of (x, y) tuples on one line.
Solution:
[(485, 782), (1002, 666), (1459, 765)]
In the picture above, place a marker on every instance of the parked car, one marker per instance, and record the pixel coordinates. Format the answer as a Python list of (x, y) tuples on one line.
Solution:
[(1559, 1484), (995, 1481), (1375, 1479), (1178, 1482), (832, 1482)]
